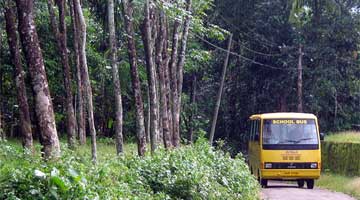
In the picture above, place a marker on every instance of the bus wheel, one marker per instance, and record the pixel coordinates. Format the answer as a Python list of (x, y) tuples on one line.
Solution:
[(264, 183), (301, 183), (310, 183)]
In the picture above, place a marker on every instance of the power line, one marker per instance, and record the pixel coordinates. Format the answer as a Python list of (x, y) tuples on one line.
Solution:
[(247, 48), (238, 55), (256, 52), (265, 41)]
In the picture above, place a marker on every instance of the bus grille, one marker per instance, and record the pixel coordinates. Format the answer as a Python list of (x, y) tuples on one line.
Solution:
[(289, 165)]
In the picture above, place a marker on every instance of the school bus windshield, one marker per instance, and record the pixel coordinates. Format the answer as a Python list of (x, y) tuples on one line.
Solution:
[(290, 131)]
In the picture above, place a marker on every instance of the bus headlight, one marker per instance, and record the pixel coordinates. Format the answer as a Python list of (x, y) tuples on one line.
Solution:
[(313, 165), (268, 165)]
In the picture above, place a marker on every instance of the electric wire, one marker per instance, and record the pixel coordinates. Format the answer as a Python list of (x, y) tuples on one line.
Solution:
[(238, 55)]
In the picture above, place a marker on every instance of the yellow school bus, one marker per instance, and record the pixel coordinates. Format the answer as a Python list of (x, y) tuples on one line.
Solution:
[(285, 146)]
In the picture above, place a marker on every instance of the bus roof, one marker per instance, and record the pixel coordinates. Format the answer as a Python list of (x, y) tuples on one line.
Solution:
[(283, 115)]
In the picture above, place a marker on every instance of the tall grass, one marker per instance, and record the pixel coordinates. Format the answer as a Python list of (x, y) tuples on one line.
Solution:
[(346, 136), (105, 148), (344, 184)]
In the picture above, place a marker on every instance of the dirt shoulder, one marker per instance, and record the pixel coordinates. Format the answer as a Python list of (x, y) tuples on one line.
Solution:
[(284, 191)]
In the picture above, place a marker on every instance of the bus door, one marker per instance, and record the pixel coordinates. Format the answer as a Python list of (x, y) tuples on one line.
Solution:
[(254, 146)]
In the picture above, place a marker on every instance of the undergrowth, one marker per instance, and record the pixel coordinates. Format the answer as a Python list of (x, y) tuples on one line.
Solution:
[(190, 172)]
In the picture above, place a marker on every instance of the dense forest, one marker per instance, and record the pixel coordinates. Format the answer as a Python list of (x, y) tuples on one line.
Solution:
[(167, 72)]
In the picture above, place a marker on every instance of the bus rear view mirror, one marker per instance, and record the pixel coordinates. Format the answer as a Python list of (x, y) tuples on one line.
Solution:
[(322, 136), (257, 138)]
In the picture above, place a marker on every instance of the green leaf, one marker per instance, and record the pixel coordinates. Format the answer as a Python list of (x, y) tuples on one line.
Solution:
[(57, 181)]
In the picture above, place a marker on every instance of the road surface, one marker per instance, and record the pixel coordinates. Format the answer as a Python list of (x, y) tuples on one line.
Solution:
[(284, 191)]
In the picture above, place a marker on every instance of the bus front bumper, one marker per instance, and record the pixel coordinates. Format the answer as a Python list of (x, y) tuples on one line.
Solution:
[(290, 174)]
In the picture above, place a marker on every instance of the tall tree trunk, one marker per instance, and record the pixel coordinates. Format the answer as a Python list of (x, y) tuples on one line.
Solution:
[(283, 103), (151, 73), (219, 94), (116, 80), (166, 60), (182, 53), (80, 88), (173, 84), (70, 113), (299, 81), (176, 73), (336, 103), (162, 65), (103, 96), (148, 115), (193, 110), (85, 76), (140, 128), (154, 24), (2, 133), (61, 41), (33, 55), (25, 122), (180, 74)]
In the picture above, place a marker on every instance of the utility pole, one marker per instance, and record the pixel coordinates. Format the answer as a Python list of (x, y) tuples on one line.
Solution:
[(219, 94)]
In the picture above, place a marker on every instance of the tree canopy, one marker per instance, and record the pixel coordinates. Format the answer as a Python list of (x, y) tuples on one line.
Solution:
[(262, 76)]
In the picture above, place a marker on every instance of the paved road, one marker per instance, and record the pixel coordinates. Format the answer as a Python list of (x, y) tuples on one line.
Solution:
[(283, 191)]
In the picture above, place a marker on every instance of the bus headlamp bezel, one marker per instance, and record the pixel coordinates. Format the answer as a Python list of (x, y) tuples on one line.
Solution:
[(268, 165), (313, 165)]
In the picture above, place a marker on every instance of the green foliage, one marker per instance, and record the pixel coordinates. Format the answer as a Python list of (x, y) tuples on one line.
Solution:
[(263, 79), (300, 13), (191, 172), (347, 137), (339, 183), (341, 158)]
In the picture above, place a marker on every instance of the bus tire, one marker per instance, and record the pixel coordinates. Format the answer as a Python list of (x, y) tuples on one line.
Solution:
[(301, 183), (264, 183), (310, 183)]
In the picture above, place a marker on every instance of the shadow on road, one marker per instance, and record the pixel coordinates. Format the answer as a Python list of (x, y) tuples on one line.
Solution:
[(283, 186)]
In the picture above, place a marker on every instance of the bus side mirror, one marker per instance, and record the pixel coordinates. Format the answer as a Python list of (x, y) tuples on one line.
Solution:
[(257, 138), (322, 136)]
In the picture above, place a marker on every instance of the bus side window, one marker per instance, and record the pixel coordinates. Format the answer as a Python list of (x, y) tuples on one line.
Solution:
[(257, 130)]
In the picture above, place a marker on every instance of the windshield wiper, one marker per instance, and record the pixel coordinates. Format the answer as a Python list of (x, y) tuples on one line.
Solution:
[(303, 139), (293, 141), (296, 141)]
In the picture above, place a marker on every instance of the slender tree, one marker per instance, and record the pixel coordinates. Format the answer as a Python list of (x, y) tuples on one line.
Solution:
[(173, 84), (80, 88), (151, 73), (299, 80), (166, 61), (162, 65), (25, 122), (179, 73), (34, 59), (81, 27), (148, 115), (129, 27), (1, 81), (60, 33), (193, 110), (116, 80), (182, 53), (220, 91)]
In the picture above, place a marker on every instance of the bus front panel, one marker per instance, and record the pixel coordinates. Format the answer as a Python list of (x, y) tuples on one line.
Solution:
[(290, 149)]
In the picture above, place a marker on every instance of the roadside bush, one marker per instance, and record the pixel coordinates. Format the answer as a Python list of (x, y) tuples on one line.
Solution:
[(341, 158), (191, 172)]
